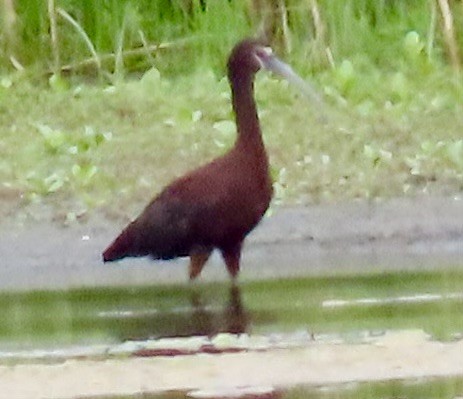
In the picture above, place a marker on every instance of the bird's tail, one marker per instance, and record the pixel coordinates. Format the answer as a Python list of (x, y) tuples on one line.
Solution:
[(124, 245)]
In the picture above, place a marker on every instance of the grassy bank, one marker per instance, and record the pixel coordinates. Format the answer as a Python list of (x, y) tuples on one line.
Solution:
[(110, 135), (80, 148)]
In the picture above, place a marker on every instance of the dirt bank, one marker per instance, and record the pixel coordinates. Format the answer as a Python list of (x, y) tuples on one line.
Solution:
[(393, 234), (407, 354), (399, 233)]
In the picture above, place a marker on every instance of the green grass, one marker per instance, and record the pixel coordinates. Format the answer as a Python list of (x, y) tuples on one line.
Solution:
[(391, 127), (385, 134), (350, 28), (115, 27)]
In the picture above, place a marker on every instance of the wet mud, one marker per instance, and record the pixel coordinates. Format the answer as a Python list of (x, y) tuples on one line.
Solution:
[(269, 332), (419, 233)]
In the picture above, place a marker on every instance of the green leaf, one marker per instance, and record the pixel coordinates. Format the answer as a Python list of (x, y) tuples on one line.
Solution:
[(399, 86), (6, 82), (57, 83), (54, 139), (345, 75), (54, 182), (84, 173), (151, 78), (196, 116), (455, 152), (413, 46)]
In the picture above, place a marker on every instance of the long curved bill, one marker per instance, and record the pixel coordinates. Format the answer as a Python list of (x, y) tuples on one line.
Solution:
[(273, 64)]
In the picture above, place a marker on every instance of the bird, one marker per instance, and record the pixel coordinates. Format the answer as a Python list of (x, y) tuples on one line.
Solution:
[(215, 206)]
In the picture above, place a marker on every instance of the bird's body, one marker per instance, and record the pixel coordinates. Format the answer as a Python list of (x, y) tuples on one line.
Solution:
[(218, 204), (214, 206)]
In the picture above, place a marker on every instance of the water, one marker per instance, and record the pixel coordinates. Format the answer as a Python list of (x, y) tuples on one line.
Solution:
[(433, 388), (102, 323), (443, 388), (430, 301)]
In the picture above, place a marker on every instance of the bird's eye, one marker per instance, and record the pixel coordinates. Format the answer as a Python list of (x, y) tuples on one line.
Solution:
[(262, 55), (264, 52)]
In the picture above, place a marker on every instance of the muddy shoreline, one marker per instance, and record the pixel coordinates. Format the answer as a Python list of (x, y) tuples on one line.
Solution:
[(322, 239), (398, 234), (398, 355)]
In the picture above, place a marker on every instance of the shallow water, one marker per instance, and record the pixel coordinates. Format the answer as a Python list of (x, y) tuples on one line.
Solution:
[(338, 305), (43, 327), (431, 388)]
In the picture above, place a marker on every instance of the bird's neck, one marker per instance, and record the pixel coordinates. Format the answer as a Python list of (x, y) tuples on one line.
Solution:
[(244, 105)]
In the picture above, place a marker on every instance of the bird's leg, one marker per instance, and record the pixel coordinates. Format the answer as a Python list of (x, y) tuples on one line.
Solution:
[(231, 256), (197, 262)]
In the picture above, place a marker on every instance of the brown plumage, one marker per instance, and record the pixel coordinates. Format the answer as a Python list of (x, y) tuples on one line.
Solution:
[(218, 204)]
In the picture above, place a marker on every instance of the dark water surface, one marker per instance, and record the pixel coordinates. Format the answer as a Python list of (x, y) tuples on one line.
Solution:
[(343, 306), (431, 301)]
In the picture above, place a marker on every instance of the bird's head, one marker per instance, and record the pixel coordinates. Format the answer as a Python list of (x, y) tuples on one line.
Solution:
[(248, 56), (251, 55)]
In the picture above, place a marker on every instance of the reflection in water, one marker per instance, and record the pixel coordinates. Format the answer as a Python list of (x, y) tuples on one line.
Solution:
[(210, 320), (235, 314), (200, 318), (323, 304), (232, 319)]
